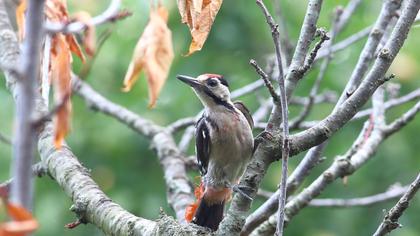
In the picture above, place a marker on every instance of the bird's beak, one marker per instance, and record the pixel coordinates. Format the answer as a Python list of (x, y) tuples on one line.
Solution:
[(193, 82)]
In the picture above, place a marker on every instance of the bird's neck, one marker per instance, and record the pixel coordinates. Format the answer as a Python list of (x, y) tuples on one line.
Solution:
[(226, 106)]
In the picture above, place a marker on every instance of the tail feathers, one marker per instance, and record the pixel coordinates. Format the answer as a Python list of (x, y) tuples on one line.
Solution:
[(209, 215)]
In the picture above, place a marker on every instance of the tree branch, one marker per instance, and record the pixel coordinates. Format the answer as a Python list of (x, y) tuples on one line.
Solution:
[(63, 165), (112, 13), (25, 134), (390, 221), (392, 193), (179, 190), (5, 139), (264, 77), (388, 11), (403, 120), (305, 38), (284, 115), (345, 43), (323, 130)]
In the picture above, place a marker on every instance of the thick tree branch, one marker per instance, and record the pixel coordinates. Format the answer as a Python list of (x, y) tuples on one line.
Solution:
[(341, 167), (62, 164), (390, 221), (25, 134), (90, 203), (179, 190), (323, 130), (305, 38)]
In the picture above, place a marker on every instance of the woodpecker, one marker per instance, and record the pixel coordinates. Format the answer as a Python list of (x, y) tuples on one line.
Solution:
[(224, 146)]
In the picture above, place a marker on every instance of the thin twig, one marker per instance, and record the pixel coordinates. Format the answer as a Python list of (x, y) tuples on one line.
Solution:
[(84, 72), (327, 96), (112, 13), (264, 77), (284, 116), (45, 78), (392, 193), (38, 170), (388, 10), (390, 221), (5, 139), (262, 111), (180, 124), (345, 43), (403, 120), (391, 103), (322, 71), (347, 14), (305, 38), (310, 60)]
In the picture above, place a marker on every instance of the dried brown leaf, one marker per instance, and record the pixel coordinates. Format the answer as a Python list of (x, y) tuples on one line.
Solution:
[(153, 53), (56, 11), (199, 15), (20, 18), (60, 76)]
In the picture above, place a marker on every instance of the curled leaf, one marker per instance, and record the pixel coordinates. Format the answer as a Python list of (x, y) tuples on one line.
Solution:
[(89, 40), (60, 76), (153, 53), (199, 15), (23, 222)]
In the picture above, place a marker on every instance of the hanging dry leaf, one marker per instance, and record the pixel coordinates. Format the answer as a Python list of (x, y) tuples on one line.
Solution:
[(56, 11), (199, 15), (23, 223), (153, 53), (60, 63), (20, 19), (89, 40), (60, 76)]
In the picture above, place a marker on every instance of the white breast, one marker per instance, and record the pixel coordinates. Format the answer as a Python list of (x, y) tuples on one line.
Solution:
[(231, 148)]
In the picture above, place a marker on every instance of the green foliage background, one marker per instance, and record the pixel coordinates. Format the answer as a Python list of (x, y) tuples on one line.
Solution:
[(128, 171)]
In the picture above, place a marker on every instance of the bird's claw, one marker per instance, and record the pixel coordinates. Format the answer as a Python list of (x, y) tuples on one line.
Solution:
[(241, 190), (261, 137)]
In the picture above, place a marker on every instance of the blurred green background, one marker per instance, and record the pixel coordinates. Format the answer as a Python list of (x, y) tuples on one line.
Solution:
[(128, 171)]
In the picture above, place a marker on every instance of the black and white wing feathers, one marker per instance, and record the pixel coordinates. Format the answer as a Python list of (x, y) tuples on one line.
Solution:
[(202, 145)]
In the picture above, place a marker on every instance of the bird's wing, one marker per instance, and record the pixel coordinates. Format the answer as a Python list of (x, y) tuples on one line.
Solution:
[(240, 106), (202, 144)]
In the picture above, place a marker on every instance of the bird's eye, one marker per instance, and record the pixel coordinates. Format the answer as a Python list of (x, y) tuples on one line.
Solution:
[(212, 82)]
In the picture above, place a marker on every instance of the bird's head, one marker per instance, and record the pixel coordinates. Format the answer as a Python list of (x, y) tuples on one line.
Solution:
[(211, 89)]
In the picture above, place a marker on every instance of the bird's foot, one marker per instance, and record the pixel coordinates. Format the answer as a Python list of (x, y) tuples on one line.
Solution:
[(261, 137), (243, 190)]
